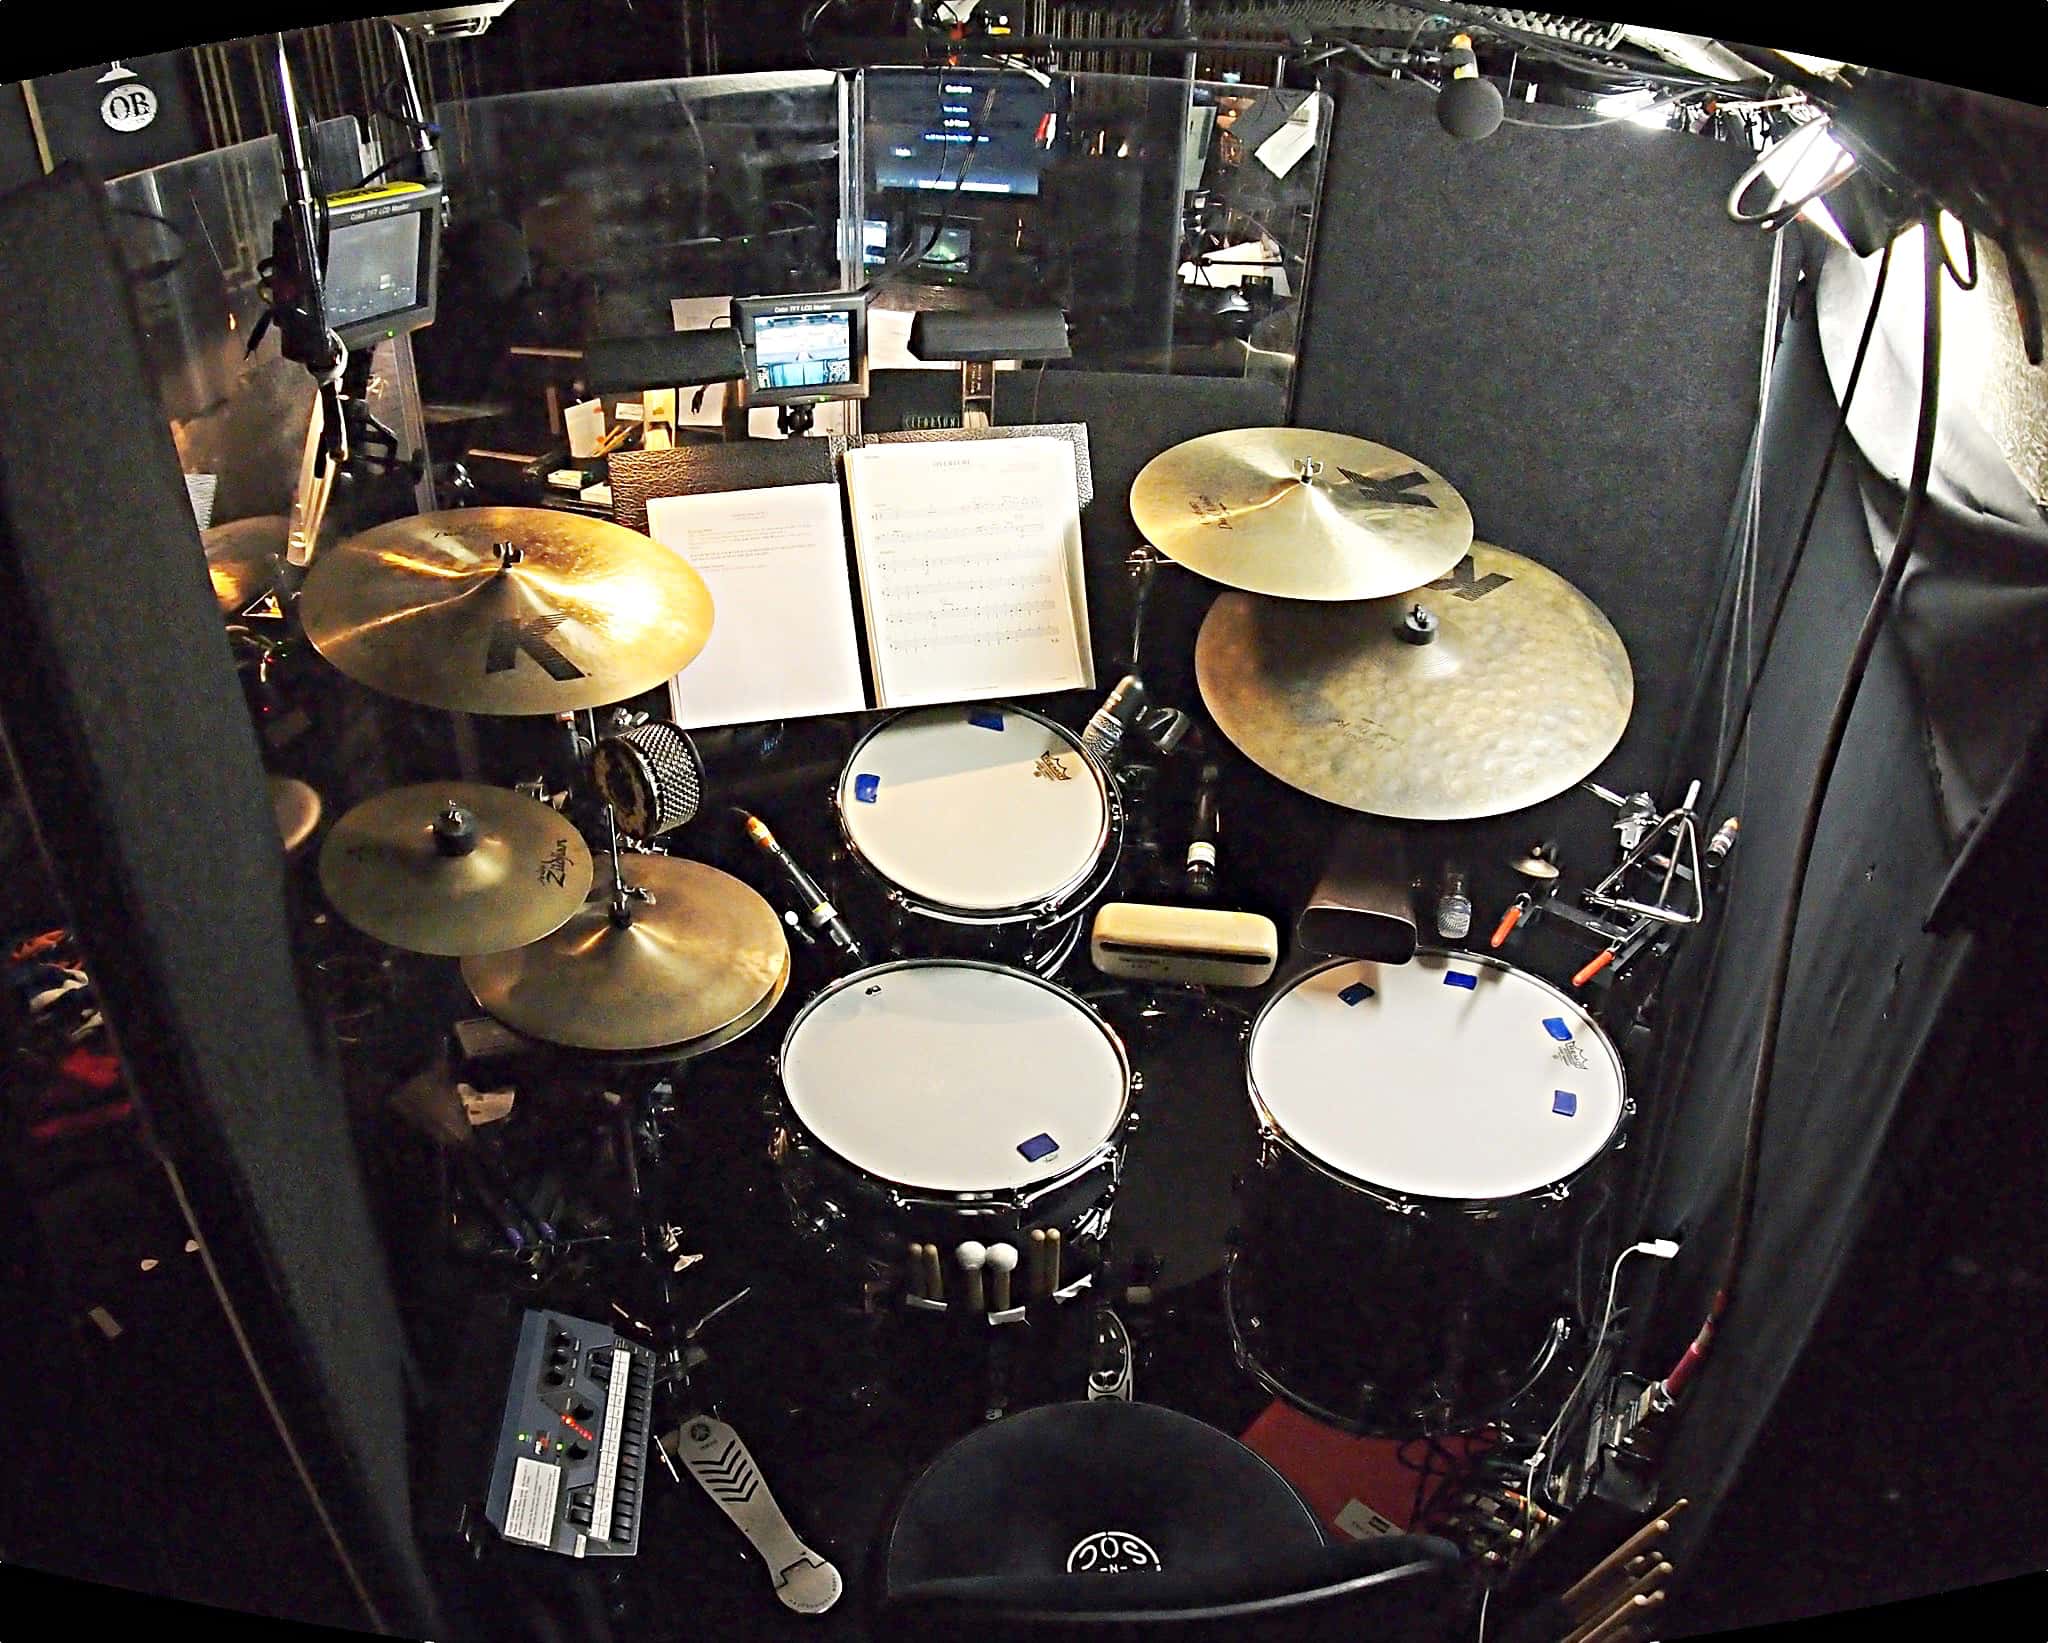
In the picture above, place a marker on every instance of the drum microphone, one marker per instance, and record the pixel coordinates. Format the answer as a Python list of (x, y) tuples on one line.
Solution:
[(651, 776), (1105, 732), (820, 914), (1469, 108), (1201, 857)]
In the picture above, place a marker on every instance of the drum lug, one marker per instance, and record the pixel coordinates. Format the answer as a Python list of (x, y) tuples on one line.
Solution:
[(1559, 1193)]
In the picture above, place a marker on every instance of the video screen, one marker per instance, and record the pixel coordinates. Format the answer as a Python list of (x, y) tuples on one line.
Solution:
[(950, 247), (874, 243), (803, 350), (373, 269), (928, 131)]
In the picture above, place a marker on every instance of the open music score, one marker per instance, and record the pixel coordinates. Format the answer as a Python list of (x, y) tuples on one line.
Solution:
[(969, 555)]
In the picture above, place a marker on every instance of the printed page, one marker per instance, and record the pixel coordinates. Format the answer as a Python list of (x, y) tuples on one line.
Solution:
[(782, 643), (970, 563)]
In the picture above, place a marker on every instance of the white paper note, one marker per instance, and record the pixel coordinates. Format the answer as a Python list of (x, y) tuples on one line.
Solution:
[(970, 561), (782, 627), (1282, 152)]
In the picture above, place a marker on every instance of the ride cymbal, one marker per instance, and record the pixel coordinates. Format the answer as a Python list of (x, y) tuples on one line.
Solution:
[(1301, 514), (506, 611), (242, 559), (690, 960), (1506, 689), (453, 868)]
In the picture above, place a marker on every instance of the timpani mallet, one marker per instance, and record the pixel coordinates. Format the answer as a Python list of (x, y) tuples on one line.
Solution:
[(1002, 1261), (972, 1257)]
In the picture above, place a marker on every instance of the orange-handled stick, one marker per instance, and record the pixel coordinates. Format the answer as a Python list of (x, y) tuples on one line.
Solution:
[(1591, 970)]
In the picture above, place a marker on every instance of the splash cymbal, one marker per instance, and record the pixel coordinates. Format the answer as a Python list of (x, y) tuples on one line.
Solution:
[(1300, 514), (687, 963), (242, 559), (453, 868), (297, 808), (506, 611), (1509, 687)]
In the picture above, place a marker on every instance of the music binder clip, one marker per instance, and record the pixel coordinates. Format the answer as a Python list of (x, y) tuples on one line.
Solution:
[(1678, 830)]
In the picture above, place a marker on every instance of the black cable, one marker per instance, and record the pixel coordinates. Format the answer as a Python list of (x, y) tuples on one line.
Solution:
[(1831, 747)]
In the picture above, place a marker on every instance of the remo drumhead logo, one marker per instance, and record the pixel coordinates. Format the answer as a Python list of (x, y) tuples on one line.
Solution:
[(129, 105), (1110, 1552)]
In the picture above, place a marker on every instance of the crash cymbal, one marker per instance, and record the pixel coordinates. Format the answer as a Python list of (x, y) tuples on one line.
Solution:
[(506, 610), (297, 808), (242, 559), (689, 962), (1300, 514), (453, 868), (1507, 688)]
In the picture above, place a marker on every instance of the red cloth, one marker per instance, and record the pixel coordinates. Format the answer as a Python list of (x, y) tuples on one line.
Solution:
[(1338, 1474)]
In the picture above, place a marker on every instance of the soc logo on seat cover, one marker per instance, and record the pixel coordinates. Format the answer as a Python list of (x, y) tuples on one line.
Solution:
[(1111, 1552)]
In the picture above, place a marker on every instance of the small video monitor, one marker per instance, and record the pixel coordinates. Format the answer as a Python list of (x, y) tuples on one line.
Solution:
[(874, 243), (802, 350), (382, 249), (947, 247)]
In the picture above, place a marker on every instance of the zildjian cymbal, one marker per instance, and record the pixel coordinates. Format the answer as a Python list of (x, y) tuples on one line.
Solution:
[(506, 611), (242, 558), (691, 953), (1300, 514), (1492, 689), (453, 868)]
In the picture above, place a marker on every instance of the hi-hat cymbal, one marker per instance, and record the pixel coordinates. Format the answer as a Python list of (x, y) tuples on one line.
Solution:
[(297, 808), (689, 962), (506, 610), (242, 559), (1518, 688), (453, 868), (1301, 514)]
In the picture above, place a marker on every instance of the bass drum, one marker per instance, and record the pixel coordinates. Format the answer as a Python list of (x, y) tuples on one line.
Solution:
[(941, 1101), (979, 832), (1434, 1136)]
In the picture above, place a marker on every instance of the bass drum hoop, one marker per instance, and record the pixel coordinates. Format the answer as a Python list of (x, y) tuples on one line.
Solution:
[(1047, 912), (909, 1196), (1274, 1134)]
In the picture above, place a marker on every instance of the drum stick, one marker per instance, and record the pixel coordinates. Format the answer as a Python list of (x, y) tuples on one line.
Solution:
[(972, 1256), (934, 1274), (1629, 1615), (1052, 1260), (916, 1258), (1036, 1278), (1596, 1599), (1002, 1261), (1602, 1610), (1640, 1541)]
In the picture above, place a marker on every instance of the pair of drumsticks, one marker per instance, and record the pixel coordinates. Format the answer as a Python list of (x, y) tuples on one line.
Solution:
[(995, 1262), (1620, 1595)]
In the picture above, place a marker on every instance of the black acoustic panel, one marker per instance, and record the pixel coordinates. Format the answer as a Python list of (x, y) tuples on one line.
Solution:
[(123, 713), (1567, 326)]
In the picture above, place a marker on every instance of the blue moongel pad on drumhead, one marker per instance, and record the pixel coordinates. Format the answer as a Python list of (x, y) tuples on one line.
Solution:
[(1357, 993), (987, 717), (1564, 1103), (866, 787), (1453, 978), (1554, 1025), (1039, 1146)]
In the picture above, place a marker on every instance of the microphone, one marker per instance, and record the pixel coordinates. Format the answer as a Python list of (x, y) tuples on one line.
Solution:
[(821, 914), (1469, 108), (1105, 732), (651, 776), (1201, 858)]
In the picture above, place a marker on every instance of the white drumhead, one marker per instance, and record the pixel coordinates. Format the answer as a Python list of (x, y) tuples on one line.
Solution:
[(1446, 1077), (954, 1077), (981, 808)]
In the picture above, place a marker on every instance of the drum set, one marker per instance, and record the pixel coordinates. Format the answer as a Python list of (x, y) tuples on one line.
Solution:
[(951, 1122)]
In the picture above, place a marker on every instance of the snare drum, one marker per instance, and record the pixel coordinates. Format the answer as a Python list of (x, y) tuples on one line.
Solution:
[(944, 1101), (984, 832), (1434, 1136)]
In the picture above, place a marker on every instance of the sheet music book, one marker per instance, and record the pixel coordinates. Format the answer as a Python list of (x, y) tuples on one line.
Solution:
[(970, 567), (782, 641)]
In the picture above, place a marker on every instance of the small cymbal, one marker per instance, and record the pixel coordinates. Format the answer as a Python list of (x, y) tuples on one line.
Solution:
[(297, 808), (501, 871), (242, 559), (506, 610), (1522, 690), (1301, 514), (692, 961)]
